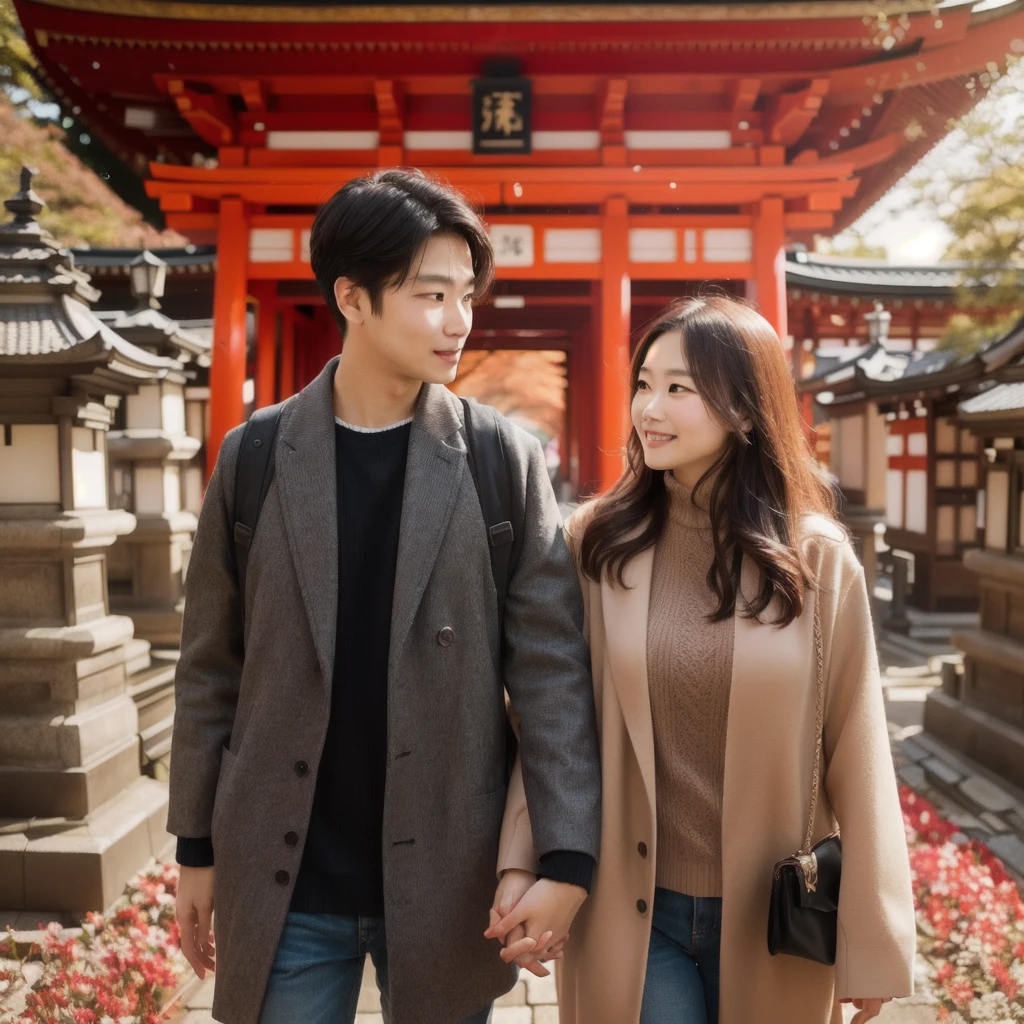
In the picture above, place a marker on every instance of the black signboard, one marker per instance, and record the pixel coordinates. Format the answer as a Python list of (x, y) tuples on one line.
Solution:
[(501, 115)]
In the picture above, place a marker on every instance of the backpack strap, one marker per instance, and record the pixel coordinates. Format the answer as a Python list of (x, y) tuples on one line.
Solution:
[(488, 465), (253, 474)]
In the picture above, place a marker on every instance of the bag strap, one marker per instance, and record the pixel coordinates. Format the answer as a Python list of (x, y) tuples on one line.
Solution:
[(488, 465), (819, 721), (253, 473)]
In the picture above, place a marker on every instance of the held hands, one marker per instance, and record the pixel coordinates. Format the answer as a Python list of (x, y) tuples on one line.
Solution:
[(194, 911), (869, 1008), (536, 924)]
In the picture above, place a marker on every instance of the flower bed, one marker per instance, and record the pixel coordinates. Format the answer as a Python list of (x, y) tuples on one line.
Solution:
[(120, 968), (970, 919)]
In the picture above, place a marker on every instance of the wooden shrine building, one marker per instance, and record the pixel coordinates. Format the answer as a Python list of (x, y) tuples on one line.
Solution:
[(981, 713), (620, 152), (904, 459)]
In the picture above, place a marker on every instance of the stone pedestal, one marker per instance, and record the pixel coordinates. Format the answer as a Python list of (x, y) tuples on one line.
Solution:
[(148, 566), (77, 817), (151, 451), (985, 718)]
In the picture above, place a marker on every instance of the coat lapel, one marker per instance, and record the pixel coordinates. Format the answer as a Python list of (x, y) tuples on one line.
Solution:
[(625, 622), (433, 475), (307, 485)]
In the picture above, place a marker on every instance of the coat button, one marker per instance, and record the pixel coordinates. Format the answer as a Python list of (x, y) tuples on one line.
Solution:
[(291, 838), (301, 769), (641, 905), (446, 636), (641, 848), (281, 878)]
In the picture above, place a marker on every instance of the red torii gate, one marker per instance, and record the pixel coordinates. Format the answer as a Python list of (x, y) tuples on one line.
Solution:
[(789, 119)]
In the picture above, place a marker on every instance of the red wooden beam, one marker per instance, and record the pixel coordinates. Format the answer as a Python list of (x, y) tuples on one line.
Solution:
[(791, 114), (613, 122), (210, 115), (255, 94), (390, 103)]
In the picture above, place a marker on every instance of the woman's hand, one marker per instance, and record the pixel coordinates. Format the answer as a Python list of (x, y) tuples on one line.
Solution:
[(546, 911), (869, 1008), (512, 888)]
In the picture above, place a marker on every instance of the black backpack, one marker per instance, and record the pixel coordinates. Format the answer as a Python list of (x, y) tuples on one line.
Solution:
[(488, 466)]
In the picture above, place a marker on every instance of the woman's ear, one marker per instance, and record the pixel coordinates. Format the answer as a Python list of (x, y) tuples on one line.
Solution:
[(351, 299)]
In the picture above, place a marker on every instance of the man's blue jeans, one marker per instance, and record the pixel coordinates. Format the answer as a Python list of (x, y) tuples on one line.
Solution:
[(318, 970), (683, 960)]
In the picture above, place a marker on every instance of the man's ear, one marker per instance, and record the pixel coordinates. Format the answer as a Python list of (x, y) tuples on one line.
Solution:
[(352, 300)]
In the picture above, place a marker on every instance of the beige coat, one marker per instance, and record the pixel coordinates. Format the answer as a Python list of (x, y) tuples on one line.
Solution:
[(768, 772)]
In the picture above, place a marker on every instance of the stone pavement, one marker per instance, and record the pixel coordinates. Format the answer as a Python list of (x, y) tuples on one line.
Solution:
[(532, 1001)]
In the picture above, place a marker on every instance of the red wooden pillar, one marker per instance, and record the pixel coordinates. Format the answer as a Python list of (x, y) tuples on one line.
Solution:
[(302, 377), (328, 344), (227, 369), (265, 293), (287, 353), (611, 384), (770, 264)]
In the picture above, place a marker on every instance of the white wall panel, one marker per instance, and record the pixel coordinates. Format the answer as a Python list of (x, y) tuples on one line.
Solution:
[(30, 465)]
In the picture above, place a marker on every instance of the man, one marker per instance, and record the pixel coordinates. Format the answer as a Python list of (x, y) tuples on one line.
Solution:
[(339, 770)]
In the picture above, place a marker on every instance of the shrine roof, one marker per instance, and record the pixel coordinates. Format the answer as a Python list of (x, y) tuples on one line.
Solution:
[(876, 371), (870, 277), (180, 259), (830, 82), (1001, 398)]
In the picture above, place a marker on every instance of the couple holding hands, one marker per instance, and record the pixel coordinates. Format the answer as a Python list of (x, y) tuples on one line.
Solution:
[(381, 580)]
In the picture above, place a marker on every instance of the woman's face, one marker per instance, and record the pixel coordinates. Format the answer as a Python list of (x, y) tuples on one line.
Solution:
[(677, 430)]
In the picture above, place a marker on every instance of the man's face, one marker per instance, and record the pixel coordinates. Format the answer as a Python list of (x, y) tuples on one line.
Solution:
[(425, 321)]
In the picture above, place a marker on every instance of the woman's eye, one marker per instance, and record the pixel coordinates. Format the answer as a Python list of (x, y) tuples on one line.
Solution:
[(678, 389), (641, 385)]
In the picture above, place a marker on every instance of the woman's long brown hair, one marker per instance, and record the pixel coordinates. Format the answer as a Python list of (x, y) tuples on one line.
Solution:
[(764, 482)]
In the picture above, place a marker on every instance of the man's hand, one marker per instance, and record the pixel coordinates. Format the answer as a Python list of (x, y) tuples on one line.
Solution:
[(513, 886), (194, 911), (546, 912), (869, 1009)]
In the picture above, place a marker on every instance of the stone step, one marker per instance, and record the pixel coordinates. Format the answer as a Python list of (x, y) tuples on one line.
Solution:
[(905, 652), (137, 656)]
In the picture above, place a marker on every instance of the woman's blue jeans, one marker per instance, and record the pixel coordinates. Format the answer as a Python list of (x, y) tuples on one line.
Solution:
[(318, 970), (683, 961)]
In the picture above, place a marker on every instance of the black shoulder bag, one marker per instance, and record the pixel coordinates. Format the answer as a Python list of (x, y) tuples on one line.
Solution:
[(804, 911)]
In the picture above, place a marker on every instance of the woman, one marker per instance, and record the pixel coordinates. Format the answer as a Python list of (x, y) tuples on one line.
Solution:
[(700, 571)]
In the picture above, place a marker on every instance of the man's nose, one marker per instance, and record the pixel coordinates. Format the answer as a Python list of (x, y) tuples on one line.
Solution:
[(458, 319)]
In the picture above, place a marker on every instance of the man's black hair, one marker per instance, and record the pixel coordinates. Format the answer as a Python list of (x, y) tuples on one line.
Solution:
[(372, 229)]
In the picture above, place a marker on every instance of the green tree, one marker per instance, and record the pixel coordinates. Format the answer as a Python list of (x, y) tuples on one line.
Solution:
[(849, 243), (979, 195), (81, 208), (16, 60)]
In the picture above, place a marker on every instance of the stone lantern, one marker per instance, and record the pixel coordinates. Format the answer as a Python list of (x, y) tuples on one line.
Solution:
[(69, 744), (150, 451)]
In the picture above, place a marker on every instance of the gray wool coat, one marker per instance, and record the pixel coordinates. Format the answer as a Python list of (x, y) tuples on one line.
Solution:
[(251, 713)]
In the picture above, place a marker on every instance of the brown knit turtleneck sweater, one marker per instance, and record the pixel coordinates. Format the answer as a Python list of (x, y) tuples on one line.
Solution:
[(689, 668)]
